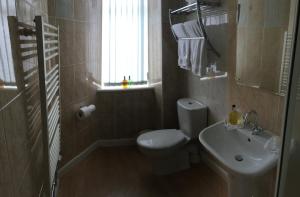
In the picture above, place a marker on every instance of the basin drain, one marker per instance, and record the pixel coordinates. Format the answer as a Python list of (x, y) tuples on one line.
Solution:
[(239, 158)]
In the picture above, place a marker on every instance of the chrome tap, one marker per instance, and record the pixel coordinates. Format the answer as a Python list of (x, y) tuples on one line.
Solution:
[(251, 122)]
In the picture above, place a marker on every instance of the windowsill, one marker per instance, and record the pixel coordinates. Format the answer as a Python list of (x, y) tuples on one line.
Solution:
[(121, 89)]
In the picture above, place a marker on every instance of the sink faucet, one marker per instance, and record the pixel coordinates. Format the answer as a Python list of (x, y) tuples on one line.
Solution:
[(251, 122)]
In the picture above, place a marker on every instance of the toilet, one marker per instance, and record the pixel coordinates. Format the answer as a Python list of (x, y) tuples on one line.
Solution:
[(172, 150)]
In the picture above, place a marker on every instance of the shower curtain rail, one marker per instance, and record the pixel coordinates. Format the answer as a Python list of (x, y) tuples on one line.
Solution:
[(196, 7)]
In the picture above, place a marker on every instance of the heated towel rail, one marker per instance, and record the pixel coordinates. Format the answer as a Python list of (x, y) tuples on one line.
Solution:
[(198, 7), (285, 64), (49, 77), (35, 51), (24, 50)]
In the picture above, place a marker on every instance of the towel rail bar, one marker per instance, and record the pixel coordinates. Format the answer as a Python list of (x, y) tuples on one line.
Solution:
[(30, 75), (49, 101), (50, 79), (51, 56), (51, 111), (51, 49), (31, 41), (52, 136), (51, 42), (196, 38), (53, 122), (28, 49), (52, 70), (50, 26), (48, 34), (52, 92), (52, 83)]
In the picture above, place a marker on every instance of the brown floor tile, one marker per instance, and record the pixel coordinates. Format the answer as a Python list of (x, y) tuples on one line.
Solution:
[(125, 172)]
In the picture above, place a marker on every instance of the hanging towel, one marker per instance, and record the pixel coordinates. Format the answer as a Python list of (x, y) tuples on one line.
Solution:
[(198, 56), (183, 46), (193, 29)]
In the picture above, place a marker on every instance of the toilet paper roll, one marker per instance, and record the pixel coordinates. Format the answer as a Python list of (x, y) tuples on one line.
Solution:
[(85, 111)]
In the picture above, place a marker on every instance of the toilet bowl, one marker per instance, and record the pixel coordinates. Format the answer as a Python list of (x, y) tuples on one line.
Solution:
[(172, 150)]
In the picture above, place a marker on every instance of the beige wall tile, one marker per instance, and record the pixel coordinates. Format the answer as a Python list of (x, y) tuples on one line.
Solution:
[(81, 10), (67, 45), (125, 114), (81, 42), (67, 85), (15, 127), (64, 8), (6, 182)]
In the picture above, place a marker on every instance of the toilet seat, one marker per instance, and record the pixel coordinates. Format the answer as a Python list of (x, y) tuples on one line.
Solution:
[(162, 139)]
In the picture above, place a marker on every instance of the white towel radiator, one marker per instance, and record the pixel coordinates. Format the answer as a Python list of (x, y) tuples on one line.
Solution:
[(49, 76)]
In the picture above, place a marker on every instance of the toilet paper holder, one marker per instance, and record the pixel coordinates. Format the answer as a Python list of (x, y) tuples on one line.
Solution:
[(85, 111)]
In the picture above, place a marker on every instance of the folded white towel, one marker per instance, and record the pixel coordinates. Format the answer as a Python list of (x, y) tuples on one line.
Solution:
[(183, 46), (193, 29), (198, 52), (179, 30)]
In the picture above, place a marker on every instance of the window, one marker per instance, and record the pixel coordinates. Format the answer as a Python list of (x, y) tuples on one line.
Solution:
[(124, 41), (7, 72)]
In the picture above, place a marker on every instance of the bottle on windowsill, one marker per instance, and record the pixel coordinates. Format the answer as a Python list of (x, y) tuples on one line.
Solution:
[(129, 81), (124, 83)]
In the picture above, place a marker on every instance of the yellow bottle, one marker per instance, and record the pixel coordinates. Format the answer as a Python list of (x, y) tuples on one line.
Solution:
[(234, 116), (125, 83)]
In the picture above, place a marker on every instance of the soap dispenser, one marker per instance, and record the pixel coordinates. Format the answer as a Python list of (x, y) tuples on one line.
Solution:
[(234, 116)]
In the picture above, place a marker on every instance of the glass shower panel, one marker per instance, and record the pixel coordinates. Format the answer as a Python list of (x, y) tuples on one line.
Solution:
[(288, 184)]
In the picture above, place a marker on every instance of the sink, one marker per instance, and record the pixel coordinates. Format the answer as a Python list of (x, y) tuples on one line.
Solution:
[(239, 150), (243, 155)]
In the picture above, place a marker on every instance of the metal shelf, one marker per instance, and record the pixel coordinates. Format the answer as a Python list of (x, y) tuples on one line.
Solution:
[(197, 7)]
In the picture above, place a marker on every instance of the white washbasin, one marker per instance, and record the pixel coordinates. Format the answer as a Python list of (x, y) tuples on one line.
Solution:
[(238, 150)]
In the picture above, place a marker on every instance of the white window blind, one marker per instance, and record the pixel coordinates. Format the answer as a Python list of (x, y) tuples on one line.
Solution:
[(7, 73), (124, 40)]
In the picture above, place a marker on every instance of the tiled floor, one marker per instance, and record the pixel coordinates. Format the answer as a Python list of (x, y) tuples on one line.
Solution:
[(124, 172)]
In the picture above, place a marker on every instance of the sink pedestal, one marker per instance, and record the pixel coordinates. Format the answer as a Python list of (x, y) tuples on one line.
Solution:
[(245, 186)]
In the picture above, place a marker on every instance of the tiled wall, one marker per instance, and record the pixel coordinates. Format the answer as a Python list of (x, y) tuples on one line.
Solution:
[(220, 94), (171, 78), (21, 156), (123, 114), (119, 114), (79, 22), (270, 107)]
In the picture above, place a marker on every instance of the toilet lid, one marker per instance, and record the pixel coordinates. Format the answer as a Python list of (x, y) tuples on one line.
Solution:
[(161, 139)]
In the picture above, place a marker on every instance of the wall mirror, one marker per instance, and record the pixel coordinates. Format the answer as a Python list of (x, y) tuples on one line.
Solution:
[(265, 31)]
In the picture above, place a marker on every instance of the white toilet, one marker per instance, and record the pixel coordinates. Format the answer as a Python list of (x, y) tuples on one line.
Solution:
[(172, 150)]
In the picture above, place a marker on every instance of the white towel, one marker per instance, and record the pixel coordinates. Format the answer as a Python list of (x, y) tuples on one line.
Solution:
[(184, 61), (198, 56), (193, 29), (179, 30), (183, 46)]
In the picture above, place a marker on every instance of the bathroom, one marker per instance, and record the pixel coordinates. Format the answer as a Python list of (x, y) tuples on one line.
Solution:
[(95, 101)]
